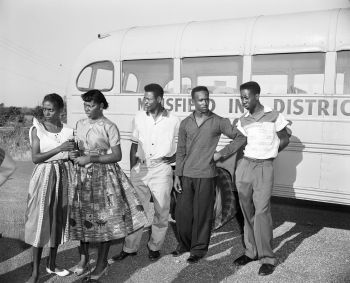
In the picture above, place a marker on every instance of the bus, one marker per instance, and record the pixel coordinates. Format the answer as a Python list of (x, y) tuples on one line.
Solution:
[(301, 61)]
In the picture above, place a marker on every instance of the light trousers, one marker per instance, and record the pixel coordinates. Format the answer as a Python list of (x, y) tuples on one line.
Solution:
[(254, 180), (156, 181)]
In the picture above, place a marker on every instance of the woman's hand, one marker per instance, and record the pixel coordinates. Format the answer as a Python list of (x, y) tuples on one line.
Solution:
[(67, 146), (83, 160), (73, 154)]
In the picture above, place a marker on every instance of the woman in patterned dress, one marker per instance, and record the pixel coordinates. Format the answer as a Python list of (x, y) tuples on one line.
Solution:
[(105, 206), (47, 205)]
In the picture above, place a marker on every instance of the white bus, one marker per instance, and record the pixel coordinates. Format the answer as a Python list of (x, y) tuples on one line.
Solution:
[(301, 61)]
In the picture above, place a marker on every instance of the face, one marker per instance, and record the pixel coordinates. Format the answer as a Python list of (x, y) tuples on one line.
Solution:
[(201, 101), (249, 99), (92, 109), (51, 113), (150, 102)]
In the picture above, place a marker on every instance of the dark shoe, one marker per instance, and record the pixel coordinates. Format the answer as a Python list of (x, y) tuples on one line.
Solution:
[(266, 269), (177, 253), (243, 260), (123, 255), (194, 258), (153, 255)]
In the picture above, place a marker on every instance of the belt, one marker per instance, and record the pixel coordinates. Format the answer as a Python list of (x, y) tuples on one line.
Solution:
[(257, 160), (151, 161)]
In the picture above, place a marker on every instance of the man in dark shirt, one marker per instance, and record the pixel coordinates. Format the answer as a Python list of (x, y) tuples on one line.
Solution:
[(195, 173)]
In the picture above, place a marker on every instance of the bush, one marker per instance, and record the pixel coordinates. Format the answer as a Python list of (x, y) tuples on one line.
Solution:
[(16, 142)]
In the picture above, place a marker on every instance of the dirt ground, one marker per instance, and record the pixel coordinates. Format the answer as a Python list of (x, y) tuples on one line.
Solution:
[(311, 242)]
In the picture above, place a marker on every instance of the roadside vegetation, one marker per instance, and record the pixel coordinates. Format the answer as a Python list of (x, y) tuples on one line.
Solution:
[(15, 123)]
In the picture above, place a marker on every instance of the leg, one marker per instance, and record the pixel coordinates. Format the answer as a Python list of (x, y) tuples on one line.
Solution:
[(102, 261), (139, 179), (84, 254), (51, 262), (245, 193), (184, 214), (160, 186), (203, 207), (36, 264), (262, 187)]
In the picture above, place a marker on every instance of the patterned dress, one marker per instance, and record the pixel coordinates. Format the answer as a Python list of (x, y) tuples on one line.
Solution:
[(47, 215), (104, 205)]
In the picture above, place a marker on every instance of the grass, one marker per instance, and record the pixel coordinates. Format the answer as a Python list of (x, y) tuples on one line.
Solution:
[(15, 141)]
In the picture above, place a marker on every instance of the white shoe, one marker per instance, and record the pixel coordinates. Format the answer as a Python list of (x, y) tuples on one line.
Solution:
[(58, 271)]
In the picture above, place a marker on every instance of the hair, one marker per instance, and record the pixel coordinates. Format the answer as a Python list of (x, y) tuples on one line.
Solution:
[(252, 86), (156, 89), (198, 89), (55, 99), (96, 96)]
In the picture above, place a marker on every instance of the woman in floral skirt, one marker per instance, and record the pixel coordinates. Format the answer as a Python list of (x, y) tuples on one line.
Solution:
[(105, 206)]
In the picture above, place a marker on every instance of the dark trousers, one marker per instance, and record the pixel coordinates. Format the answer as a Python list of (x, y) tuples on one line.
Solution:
[(194, 214)]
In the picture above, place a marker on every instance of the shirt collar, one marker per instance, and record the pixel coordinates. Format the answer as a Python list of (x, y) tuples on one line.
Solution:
[(165, 113), (209, 115), (267, 109)]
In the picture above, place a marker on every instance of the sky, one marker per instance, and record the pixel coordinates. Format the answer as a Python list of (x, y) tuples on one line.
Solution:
[(40, 39)]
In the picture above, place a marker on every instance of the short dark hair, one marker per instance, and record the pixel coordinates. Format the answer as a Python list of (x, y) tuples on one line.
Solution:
[(252, 86), (156, 89), (198, 89), (96, 96), (55, 99)]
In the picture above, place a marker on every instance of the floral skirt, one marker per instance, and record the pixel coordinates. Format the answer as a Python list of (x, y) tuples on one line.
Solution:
[(104, 204), (47, 214)]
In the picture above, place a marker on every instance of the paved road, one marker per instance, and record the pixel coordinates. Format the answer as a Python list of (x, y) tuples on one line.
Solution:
[(312, 243)]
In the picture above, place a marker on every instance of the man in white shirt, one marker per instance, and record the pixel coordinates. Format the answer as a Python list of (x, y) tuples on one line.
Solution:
[(152, 151), (266, 132)]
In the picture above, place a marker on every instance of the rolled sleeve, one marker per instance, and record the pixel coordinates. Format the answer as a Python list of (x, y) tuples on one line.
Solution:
[(280, 123)]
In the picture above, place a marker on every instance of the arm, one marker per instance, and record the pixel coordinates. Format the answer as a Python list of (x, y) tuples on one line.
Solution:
[(232, 132), (113, 157), (181, 150), (284, 139), (38, 157), (7, 168), (133, 157)]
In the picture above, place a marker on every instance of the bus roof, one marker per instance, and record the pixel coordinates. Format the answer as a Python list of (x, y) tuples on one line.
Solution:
[(318, 31)]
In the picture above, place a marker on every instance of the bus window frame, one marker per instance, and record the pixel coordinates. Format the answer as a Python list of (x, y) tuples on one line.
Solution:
[(93, 76)]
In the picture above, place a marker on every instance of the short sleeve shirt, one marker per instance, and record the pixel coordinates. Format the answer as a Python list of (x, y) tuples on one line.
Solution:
[(155, 138), (261, 132)]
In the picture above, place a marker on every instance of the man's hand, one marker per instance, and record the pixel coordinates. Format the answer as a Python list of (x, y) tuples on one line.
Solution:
[(217, 156), (177, 184)]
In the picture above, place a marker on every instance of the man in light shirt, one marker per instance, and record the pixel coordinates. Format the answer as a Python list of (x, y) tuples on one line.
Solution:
[(266, 134), (152, 151)]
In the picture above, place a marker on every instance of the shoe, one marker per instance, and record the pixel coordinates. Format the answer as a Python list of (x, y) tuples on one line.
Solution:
[(79, 270), (243, 260), (194, 258), (58, 271), (123, 255), (153, 255), (98, 276), (266, 269), (177, 253)]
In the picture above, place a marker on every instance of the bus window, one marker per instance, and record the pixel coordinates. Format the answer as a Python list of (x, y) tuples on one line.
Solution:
[(98, 75), (298, 73), (220, 74), (84, 79), (158, 71), (343, 72), (131, 83), (169, 87)]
